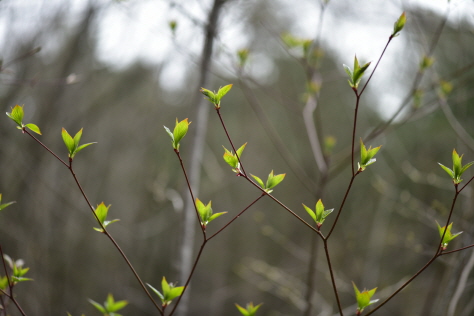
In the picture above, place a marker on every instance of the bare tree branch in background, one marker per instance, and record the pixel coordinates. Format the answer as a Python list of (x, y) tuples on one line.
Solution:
[(189, 222)]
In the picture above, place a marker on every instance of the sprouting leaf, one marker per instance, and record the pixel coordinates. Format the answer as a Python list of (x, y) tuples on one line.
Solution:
[(399, 24), (102, 211), (356, 74), (72, 144), (458, 168), (249, 310), (319, 215), (110, 306), (363, 298), (169, 292), (272, 181), (233, 159), (179, 131), (448, 236), (33, 127), (367, 155), (215, 97), (17, 115), (205, 212)]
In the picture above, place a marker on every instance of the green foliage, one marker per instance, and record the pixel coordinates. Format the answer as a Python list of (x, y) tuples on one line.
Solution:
[(243, 55), (319, 215), (272, 181), (367, 156), (399, 24), (17, 115), (448, 236), (180, 130), (101, 211), (215, 97), (249, 310), (363, 298), (18, 271), (458, 168), (110, 306), (169, 292), (72, 144), (356, 75), (4, 205), (233, 159), (205, 212)]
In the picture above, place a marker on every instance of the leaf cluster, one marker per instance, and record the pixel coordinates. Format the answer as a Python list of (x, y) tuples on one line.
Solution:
[(363, 298), (101, 211), (272, 181), (356, 75), (17, 115), (205, 212), (448, 236), (458, 168), (110, 306), (179, 131), (367, 156), (72, 144), (233, 159), (169, 292), (319, 214), (249, 310), (215, 97)]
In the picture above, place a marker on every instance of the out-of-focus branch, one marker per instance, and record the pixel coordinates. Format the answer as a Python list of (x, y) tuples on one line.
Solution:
[(189, 226)]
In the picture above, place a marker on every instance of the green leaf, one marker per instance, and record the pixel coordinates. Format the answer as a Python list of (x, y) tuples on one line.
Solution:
[(68, 141), (259, 181), (4, 205), (175, 292), (216, 215), (223, 91), (82, 147), (34, 128), (180, 131), (250, 309), (77, 138), (449, 171), (363, 298), (310, 212), (366, 155), (99, 307), (17, 115), (348, 70), (448, 236), (399, 24), (156, 292), (240, 150), (210, 96), (169, 133), (273, 181)]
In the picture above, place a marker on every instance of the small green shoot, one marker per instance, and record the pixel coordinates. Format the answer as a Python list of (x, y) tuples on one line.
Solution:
[(399, 24), (448, 236), (319, 215), (110, 306), (205, 212), (169, 292), (215, 97), (18, 271), (249, 310), (243, 55), (272, 181), (363, 298), (180, 130), (458, 168), (233, 159), (356, 75), (72, 144), (366, 156), (101, 211), (4, 205), (17, 114)]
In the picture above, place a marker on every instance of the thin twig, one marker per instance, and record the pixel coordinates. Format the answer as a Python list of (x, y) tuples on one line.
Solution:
[(10, 285)]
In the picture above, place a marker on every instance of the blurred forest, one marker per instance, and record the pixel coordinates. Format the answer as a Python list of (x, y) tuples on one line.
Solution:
[(296, 114)]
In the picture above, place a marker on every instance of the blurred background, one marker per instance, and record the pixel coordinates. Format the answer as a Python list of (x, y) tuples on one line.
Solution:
[(123, 69)]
